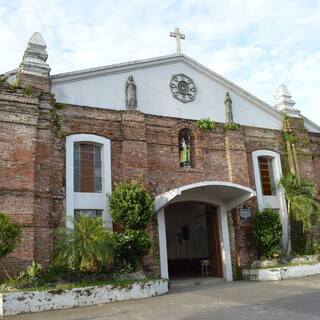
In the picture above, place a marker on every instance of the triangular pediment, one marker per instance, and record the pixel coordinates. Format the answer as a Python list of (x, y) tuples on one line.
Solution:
[(104, 87)]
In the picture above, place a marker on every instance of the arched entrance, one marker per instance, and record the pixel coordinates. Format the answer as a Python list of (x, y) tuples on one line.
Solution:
[(224, 196), (193, 240)]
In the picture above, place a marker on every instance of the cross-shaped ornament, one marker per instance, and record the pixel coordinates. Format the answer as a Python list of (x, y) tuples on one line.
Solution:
[(176, 34)]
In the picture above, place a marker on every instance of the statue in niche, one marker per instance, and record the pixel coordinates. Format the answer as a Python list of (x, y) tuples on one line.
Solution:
[(185, 153), (228, 108), (131, 94)]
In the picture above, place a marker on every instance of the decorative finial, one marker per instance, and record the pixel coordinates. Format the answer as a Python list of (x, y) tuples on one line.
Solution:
[(176, 34), (35, 57), (284, 103)]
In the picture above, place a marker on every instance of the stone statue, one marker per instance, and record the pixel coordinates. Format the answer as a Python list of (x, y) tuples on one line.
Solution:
[(184, 153), (131, 94), (228, 108)]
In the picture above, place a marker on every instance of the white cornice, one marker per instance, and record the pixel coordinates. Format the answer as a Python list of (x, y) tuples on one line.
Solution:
[(311, 124), (113, 69)]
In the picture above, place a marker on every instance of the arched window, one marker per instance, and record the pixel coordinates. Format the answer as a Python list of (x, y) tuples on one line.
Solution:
[(267, 173), (88, 177), (186, 148)]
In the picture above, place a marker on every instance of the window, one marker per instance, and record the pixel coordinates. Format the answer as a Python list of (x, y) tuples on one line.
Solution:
[(267, 176), (87, 167), (88, 177)]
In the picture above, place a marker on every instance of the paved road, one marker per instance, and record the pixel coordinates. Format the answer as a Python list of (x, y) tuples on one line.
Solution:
[(292, 299)]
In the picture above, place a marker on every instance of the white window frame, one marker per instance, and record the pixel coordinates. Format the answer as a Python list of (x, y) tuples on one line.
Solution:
[(88, 200), (277, 201)]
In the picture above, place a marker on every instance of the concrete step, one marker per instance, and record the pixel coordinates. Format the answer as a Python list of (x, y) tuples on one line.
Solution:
[(190, 282)]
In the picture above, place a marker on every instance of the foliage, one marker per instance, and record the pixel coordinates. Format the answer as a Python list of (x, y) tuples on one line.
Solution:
[(301, 203), (267, 231), (289, 137), (56, 119), (130, 247), (10, 234), (30, 277), (88, 247), (206, 124), (15, 84), (26, 91), (313, 246), (60, 286), (131, 205), (230, 126)]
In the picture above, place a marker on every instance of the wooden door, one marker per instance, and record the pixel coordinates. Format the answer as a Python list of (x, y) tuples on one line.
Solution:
[(214, 246)]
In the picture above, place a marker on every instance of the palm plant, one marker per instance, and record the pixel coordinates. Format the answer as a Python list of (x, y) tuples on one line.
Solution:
[(87, 247), (301, 204)]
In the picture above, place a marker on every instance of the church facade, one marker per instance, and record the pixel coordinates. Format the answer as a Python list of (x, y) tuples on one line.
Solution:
[(67, 139)]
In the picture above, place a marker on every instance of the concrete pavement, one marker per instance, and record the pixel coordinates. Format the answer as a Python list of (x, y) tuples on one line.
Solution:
[(297, 299)]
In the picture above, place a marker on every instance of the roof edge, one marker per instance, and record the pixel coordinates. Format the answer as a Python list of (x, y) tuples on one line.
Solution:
[(109, 69)]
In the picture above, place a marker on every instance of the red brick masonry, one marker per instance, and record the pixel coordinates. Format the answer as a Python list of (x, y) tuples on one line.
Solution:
[(32, 162)]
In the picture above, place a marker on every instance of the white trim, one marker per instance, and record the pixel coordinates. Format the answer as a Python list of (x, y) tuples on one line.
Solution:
[(76, 199), (278, 201), (310, 125), (225, 244), (163, 245)]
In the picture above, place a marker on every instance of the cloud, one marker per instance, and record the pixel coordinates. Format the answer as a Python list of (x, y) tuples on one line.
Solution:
[(256, 44)]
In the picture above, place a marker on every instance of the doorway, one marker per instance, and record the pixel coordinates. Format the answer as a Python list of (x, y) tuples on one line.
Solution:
[(193, 237)]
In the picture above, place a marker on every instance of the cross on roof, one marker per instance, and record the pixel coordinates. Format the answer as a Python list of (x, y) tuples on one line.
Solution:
[(176, 34)]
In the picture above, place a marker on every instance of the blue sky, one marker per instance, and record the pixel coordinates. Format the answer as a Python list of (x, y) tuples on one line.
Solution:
[(256, 44)]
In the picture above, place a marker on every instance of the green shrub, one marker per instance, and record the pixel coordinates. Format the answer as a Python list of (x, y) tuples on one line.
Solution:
[(267, 232), (206, 124), (31, 276), (230, 126), (131, 205), (10, 234), (89, 247), (289, 137), (130, 247), (313, 246)]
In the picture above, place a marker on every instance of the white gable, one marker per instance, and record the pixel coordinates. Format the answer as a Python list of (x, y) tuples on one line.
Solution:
[(105, 88)]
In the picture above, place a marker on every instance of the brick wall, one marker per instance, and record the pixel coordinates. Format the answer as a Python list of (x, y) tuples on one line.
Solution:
[(32, 161)]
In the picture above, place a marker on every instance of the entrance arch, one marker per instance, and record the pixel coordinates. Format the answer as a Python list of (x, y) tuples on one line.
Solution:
[(225, 196)]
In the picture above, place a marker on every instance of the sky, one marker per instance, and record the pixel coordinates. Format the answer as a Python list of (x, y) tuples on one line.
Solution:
[(257, 44)]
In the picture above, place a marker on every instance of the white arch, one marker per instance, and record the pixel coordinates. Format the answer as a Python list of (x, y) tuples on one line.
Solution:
[(163, 199), (224, 195)]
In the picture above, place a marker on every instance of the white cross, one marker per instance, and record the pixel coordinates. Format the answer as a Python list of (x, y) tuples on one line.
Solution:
[(176, 34)]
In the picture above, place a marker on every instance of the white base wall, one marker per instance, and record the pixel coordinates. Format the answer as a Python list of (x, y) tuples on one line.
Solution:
[(13, 303), (282, 273)]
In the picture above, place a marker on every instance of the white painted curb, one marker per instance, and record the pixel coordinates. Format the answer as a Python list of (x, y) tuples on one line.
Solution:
[(282, 273), (13, 303)]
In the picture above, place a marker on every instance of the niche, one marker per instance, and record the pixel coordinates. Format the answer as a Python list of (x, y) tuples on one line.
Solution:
[(186, 148)]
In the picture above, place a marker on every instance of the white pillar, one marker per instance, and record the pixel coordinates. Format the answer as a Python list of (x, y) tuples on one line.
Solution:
[(225, 244), (162, 244)]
